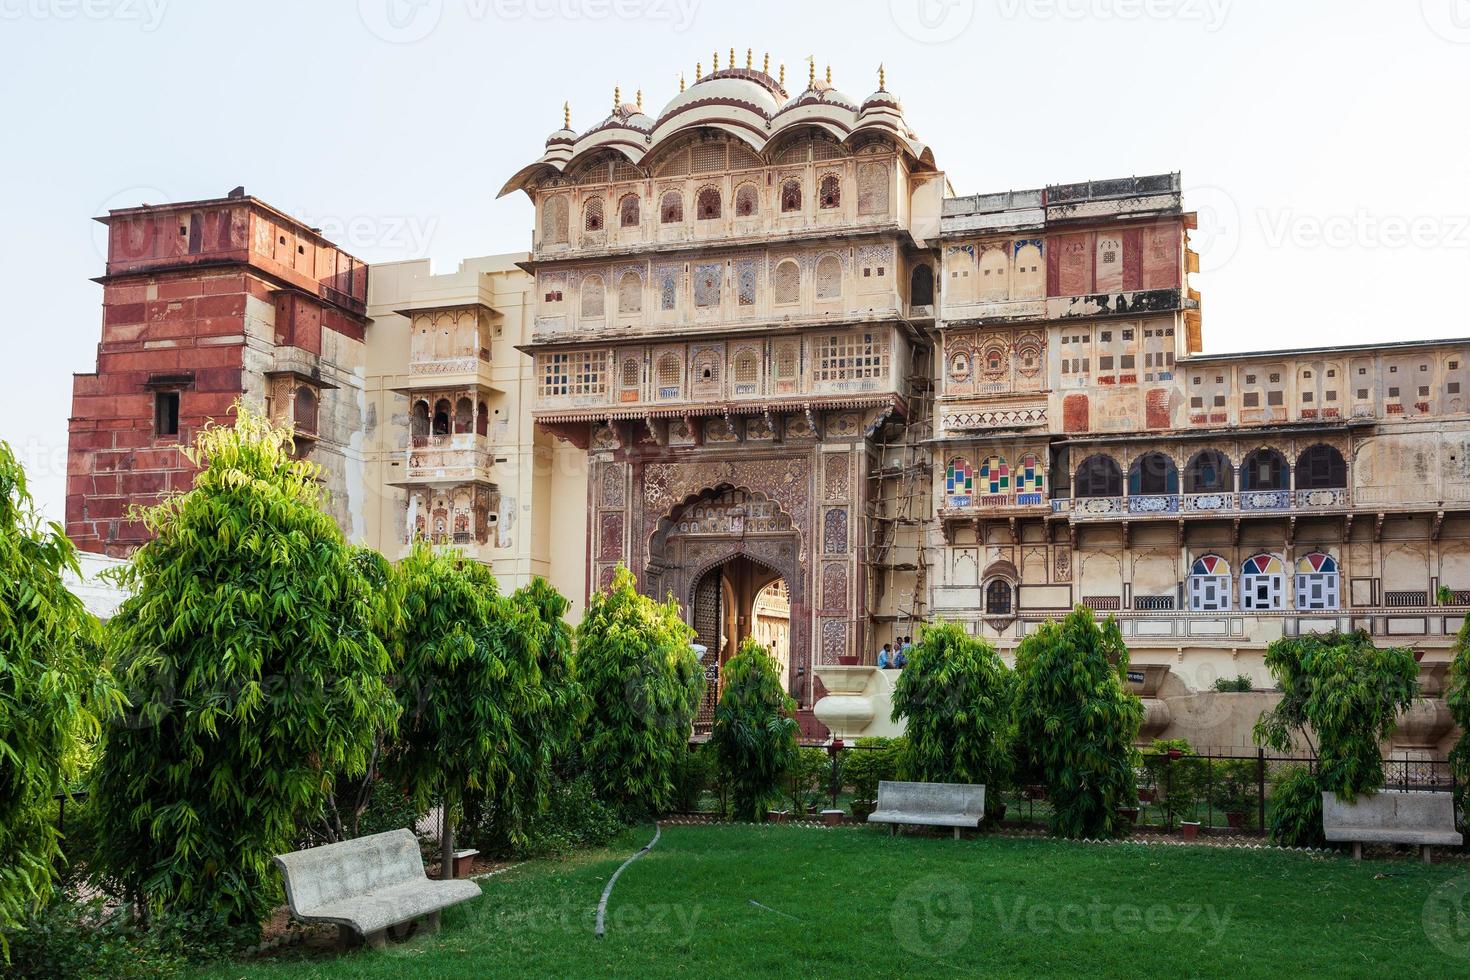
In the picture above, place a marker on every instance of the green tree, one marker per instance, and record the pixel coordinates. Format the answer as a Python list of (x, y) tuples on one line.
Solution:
[(643, 684), (53, 691), (250, 653), (1348, 691), (958, 699), (1457, 698), (755, 729), (1077, 722)]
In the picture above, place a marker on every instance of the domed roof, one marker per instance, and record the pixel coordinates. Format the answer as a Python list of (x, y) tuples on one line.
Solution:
[(733, 86)]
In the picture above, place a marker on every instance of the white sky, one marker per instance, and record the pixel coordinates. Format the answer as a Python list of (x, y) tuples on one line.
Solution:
[(1325, 142)]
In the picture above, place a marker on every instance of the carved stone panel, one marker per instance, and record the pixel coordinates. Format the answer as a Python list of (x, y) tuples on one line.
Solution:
[(834, 532), (834, 587)]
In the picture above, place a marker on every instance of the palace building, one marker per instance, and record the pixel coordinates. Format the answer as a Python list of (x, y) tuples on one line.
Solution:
[(763, 355)]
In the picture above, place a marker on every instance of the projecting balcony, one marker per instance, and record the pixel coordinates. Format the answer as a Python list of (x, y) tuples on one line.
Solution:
[(1245, 503), (456, 458)]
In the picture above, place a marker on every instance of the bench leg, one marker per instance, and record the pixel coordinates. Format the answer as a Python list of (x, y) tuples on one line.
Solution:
[(1357, 851), (1428, 854), (893, 830), (350, 938), (956, 833), (431, 923)]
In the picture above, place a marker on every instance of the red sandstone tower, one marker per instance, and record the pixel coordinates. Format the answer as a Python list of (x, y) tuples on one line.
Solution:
[(204, 303)]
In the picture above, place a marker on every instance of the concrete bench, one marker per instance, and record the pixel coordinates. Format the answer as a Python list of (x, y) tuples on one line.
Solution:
[(1391, 817), (367, 885), (954, 805)]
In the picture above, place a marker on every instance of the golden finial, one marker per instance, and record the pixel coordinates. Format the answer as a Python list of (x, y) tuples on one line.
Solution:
[(698, 70), (782, 80), (749, 59), (717, 63), (566, 115), (811, 72), (617, 98), (681, 81), (766, 64), (829, 74), (640, 100), (732, 58), (881, 83)]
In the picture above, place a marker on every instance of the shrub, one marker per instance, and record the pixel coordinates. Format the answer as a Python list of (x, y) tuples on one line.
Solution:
[(643, 684), (810, 778), (958, 699), (695, 772), (1077, 722), (250, 654), (869, 762), (52, 692), (1180, 782), (1295, 818), (755, 729), (1233, 786), (572, 819), (1457, 698), (1348, 691), (1239, 684)]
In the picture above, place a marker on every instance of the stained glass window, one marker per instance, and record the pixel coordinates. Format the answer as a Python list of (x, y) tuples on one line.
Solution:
[(1317, 582), (959, 482), (1262, 583), (995, 475), (1209, 584)]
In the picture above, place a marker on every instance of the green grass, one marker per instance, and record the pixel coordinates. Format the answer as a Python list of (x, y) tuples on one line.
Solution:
[(854, 902)]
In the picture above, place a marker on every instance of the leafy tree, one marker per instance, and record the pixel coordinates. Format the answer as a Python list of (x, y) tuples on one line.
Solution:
[(546, 722), (1295, 819), (250, 653), (643, 684), (958, 697), (53, 692), (1077, 722), (467, 665), (1457, 698), (1348, 691), (755, 729)]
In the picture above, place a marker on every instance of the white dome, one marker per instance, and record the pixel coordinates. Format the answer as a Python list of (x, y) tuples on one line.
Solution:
[(743, 91)]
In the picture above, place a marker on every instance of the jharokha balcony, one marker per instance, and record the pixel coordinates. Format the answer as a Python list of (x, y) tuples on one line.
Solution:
[(1216, 504)]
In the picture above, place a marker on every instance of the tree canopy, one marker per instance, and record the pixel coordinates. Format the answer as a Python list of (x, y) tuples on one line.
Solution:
[(755, 728)]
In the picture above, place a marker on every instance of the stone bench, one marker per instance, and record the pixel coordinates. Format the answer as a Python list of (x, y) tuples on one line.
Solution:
[(367, 885), (1391, 817), (955, 805)]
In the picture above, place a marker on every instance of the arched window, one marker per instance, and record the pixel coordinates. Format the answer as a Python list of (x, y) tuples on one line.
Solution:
[(747, 372), (1262, 583), (786, 283), (1209, 584), (482, 420), (959, 366), (592, 215), (829, 277), (959, 482), (441, 417), (630, 374), (707, 369), (707, 204), (1317, 585), (786, 362), (1030, 479), (671, 208), (668, 376), (628, 211), (872, 188), (418, 423), (921, 285), (747, 201), (790, 195), (304, 413), (554, 222), (464, 415), (1209, 471), (630, 293), (592, 305), (998, 598), (1264, 469), (1321, 468), (829, 192), (1099, 476), (995, 475), (1153, 474)]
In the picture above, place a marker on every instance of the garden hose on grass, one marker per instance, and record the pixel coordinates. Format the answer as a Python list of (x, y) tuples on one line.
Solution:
[(602, 905)]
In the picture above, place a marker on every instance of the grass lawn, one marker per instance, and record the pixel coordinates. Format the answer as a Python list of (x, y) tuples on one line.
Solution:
[(856, 903)]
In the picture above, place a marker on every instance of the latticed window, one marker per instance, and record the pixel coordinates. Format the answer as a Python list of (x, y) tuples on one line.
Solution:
[(790, 195), (577, 373), (630, 373), (708, 158), (671, 208), (745, 277), (554, 224), (747, 367), (786, 362), (592, 215), (707, 281), (707, 369), (628, 211), (707, 204), (829, 193), (668, 376), (851, 357), (747, 200), (668, 288), (872, 188), (829, 278), (630, 293), (786, 282), (592, 303)]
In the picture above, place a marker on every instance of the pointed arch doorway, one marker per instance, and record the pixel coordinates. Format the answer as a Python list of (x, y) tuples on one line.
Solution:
[(739, 598)]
